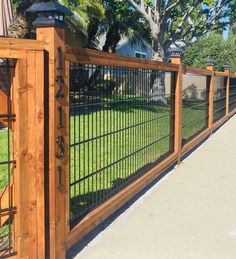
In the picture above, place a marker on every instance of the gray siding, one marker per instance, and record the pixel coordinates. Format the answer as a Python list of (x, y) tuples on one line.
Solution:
[(128, 50)]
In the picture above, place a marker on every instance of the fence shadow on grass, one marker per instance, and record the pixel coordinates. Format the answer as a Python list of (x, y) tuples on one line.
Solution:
[(78, 247)]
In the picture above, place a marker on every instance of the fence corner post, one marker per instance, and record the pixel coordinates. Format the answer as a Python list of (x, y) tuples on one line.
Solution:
[(50, 28), (176, 59), (227, 72), (210, 67)]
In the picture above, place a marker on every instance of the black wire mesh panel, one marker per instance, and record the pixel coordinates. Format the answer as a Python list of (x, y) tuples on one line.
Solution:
[(232, 94), (7, 210), (195, 107), (121, 125), (219, 98)]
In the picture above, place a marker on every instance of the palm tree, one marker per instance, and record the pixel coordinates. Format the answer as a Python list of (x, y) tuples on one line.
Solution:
[(120, 20), (21, 26)]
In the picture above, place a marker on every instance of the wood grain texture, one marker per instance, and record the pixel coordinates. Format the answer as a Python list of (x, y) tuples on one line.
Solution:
[(20, 44), (53, 38), (211, 97), (178, 108), (227, 72), (220, 74), (198, 71), (88, 56), (28, 152)]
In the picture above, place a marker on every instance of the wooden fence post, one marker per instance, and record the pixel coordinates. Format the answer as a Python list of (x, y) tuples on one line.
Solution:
[(227, 72), (176, 59), (210, 67), (51, 30), (28, 93)]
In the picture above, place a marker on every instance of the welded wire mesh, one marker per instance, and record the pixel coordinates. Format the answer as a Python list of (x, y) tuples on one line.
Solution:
[(219, 110), (195, 106), (121, 126), (232, 94)]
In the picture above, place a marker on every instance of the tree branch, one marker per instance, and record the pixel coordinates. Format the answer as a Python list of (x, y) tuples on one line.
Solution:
[(155, 28)]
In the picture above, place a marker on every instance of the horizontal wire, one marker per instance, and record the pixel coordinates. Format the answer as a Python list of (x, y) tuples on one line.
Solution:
[(195, 106), (120, 160), (200, 118), (120, 130)]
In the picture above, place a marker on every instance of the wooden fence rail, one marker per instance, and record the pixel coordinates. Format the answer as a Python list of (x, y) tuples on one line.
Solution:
[(41, 98)]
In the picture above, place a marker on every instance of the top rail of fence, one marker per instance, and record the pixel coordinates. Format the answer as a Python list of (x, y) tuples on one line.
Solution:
[(217, 73), (21, 44), (197, 71), (88, 56)]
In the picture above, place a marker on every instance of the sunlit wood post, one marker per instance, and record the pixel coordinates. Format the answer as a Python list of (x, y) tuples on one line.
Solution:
[(176, 59), (227, 72), (50, 28), (29, 137), (210, 67)]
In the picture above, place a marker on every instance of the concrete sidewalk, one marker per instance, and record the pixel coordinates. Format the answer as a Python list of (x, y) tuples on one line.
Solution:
[(190, 213)]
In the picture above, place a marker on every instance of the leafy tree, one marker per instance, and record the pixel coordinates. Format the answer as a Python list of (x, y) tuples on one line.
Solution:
[(175, 22), (231, 50), (113, 18), (120, 20), (222, 51), (213, 46), (172, 22), (83, 8)]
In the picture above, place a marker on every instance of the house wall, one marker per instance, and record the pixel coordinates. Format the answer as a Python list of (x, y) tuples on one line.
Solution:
[(129, 49)]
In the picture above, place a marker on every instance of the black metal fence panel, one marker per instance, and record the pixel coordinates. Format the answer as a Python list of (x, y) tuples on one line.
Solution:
[(7, 163), (232, 94), (121, 126), (219, 110), (195, 106)]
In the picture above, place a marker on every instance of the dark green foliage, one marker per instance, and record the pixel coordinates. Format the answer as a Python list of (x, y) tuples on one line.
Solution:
[(231, 50), (213, 46)]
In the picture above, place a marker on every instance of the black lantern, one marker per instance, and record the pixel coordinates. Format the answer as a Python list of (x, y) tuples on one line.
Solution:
[(49, 14), (226, 67), (209, 62), (176, 52)]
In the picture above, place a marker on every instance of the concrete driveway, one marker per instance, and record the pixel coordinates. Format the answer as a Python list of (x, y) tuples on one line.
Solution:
[(190, 213)]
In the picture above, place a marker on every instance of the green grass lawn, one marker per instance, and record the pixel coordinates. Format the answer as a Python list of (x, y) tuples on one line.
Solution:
[(110, 151), (3, 158), (6, 229), (107, 161)]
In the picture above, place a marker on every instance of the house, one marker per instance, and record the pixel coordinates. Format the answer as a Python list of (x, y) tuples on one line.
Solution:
[(132, 46)]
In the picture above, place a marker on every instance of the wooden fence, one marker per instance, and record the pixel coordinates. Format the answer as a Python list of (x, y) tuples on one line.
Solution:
[(42, 101)]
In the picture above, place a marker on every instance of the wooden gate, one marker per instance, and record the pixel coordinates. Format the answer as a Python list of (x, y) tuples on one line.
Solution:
[(22, 153)]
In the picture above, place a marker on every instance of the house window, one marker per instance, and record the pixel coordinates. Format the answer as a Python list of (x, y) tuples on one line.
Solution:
[(138, 54)]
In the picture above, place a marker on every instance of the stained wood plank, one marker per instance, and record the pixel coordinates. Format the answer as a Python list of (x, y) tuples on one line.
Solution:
[(198, 71), (87, 56), (54, 38), (20, 44), (220, 74), (178, 108), (227, 72)]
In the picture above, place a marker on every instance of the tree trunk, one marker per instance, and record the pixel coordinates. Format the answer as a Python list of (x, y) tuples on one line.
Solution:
[(92, 32), (157, 80), (112, 39)]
